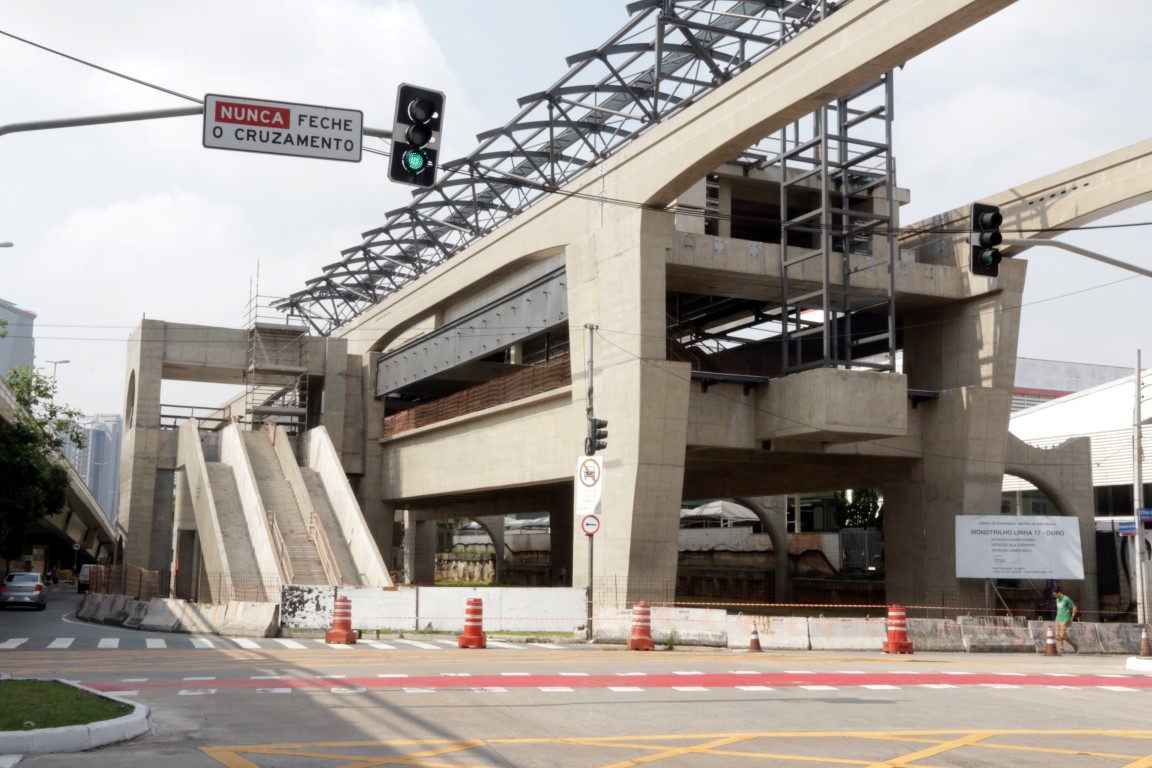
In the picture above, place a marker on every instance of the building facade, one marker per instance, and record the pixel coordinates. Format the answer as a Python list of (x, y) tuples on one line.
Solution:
[(98, 462), (18, 346)]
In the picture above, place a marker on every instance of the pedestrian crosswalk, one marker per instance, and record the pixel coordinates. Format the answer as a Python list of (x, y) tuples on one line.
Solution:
[(201, 642)]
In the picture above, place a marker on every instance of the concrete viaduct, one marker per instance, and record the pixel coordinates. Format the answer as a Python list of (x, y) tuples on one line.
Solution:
[(934, 438), (81, 527)]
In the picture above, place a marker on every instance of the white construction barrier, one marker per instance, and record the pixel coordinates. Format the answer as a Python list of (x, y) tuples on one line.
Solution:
[(935, 635), (245, 619), (996, 634), (777, 633), (841, 634), (91, 605), (162, 615), (376, 608)]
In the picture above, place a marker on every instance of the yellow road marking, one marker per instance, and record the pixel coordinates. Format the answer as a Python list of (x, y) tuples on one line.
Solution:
[(655, 748)]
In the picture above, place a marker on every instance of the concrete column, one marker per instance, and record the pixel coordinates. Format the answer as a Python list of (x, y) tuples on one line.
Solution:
[(961, 474), (773, 513), (362, 454), (334, 395), (725, 207), (140, 444), (617, 282), (967, 352), (419, 550)]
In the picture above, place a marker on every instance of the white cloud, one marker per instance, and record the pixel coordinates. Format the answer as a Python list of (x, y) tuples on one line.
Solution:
[(114, 222)]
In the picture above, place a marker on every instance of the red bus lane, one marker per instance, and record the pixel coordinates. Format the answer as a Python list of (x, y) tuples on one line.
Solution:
[(717, 680)]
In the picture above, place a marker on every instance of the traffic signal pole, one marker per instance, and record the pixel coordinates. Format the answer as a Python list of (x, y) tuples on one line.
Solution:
[(1141, 596), (1138, 503), (122, 117), (1027, 243)]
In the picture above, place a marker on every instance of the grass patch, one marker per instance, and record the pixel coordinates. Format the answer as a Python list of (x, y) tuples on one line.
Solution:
[(30, 704)]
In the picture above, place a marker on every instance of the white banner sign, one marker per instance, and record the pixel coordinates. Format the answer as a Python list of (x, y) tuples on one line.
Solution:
[(589, 485), (280, 128), (1018, 547)]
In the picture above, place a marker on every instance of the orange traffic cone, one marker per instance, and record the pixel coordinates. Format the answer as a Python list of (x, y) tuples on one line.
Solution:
[(641, 639), (897, 641), (1050, 644), (341, 632), (754, 643), (473, 636)]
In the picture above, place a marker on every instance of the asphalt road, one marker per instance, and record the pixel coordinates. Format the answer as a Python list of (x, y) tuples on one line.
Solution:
[(424, 701)]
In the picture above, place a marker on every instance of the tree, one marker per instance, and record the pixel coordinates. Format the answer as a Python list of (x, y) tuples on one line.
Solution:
[(51, 422), (33, 479), (859, 509)]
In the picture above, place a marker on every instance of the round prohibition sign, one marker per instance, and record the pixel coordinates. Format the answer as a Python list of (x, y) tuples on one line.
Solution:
[(590, 524), (589, 473)]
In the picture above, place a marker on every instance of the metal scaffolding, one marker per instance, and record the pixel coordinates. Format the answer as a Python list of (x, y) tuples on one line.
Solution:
[(670, 55)]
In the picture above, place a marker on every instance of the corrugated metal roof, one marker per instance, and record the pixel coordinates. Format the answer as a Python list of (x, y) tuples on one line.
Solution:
[(1105, 414)]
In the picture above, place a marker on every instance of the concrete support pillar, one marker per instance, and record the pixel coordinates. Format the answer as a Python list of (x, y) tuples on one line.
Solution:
[(968, 354), (773, 513), (419, 550), (617, 282), (362, 455), (961, 474), (493, 525), (725, 202), (334, 392), (140, 447)]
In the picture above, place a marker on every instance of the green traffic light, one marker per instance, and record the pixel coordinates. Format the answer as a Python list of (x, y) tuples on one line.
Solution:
[(415, 160)]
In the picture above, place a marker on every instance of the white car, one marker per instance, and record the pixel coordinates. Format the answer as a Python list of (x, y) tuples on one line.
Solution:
[(26, 589)]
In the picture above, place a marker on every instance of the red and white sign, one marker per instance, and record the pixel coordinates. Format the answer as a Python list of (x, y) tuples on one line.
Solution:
[(279, 128), (590, 524), (589, 485)]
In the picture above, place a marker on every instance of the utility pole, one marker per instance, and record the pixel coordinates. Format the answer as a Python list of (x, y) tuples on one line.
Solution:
[(588, 598), (1138, 503)]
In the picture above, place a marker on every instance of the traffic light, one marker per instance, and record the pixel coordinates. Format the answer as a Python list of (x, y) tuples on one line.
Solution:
[(986, 220), (416, 135), (597, 439)]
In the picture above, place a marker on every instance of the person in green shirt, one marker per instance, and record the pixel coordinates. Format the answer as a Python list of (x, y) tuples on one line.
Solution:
[(1066, 611)]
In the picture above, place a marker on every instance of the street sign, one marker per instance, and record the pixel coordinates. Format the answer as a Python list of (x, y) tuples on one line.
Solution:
[(75, 546), (590, 524), (280, 128), (589, 485), (1145, 515), (1127, 528)]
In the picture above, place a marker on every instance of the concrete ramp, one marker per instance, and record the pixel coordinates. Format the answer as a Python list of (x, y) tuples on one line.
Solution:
[(346, 518), (233, 527)]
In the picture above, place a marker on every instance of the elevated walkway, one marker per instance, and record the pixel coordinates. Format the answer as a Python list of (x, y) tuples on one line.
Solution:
[(255, 520)]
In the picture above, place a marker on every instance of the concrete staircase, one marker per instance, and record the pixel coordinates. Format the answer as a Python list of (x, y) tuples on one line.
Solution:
[(324, 511), (278, 499)]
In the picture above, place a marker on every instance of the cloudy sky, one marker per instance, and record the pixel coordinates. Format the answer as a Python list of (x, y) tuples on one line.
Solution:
[(118, 222)]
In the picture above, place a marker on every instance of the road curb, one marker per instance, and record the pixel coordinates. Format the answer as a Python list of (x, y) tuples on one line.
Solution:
[(78, 738), (1138, 664)]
